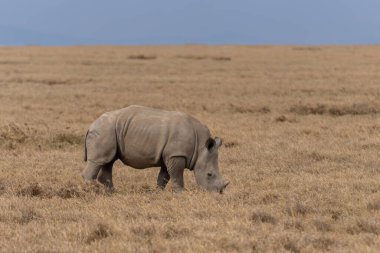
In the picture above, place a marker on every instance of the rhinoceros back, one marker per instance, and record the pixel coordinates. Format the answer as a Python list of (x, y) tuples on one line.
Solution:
[(146, 136)]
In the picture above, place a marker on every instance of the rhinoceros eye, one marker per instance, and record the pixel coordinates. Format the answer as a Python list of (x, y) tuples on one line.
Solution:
[(209, 174)]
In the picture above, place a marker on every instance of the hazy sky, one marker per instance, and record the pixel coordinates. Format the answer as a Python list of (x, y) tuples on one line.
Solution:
[(70, 22)]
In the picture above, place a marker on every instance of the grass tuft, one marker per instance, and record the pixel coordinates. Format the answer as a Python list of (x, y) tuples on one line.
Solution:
[(144, 231), (230, 144), (13, 133), (270, 198), (294, 224), (374, 205), (221, 58), (335, 110), (101, 231), (67, 138), (32, 190), (308, 109), (322, 243), (263, 217), (173, 232), (364, 226), (142, 57), (283, 118), (27, 215), (298, 209), (202, 57), (322, 226), (2, 188), (291, 245), (192, 57), (248, 109), (70, 191)]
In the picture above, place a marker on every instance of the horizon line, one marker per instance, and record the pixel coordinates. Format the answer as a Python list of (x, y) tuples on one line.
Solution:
[(189, 44)]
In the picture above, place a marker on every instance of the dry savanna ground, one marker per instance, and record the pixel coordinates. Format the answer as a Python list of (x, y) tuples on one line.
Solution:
[(301, 131)]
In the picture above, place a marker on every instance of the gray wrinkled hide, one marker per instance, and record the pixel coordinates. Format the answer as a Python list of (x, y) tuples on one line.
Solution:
[(144, 137)]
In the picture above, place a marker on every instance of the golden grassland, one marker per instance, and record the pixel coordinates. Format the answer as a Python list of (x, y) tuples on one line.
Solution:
[(301, 131)]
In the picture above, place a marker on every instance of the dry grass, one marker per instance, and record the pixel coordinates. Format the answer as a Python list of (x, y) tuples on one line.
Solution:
[(142, 57), (336, 110), (301, 131)]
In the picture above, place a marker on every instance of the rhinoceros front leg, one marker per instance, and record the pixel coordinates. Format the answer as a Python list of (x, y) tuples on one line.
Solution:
[(91, 171), (105, 175), (175, 167), (102, 172), (163, 177)]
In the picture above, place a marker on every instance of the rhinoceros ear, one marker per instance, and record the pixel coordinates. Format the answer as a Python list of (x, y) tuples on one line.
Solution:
[(210, 144), (218, 142)]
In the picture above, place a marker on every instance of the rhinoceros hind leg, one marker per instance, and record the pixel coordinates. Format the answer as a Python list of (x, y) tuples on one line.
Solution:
[(105, 175), (91, 171), (176, 166), (163, 177)]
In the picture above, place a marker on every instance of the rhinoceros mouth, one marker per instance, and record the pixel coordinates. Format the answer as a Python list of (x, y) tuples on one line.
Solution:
[(224, 187)]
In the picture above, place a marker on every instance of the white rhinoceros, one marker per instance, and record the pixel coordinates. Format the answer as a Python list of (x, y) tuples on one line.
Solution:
[(143, 137)]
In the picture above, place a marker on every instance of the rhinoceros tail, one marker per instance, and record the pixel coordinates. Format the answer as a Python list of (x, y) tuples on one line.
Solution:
[(85, 147)]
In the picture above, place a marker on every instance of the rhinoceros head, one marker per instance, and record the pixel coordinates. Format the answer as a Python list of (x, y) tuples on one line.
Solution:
[(206, 169)]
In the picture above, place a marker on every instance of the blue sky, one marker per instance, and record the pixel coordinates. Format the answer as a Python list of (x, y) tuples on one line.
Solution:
[(73, 22)]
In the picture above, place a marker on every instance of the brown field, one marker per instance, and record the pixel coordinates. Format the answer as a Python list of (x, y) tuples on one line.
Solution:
[(301, 131)]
